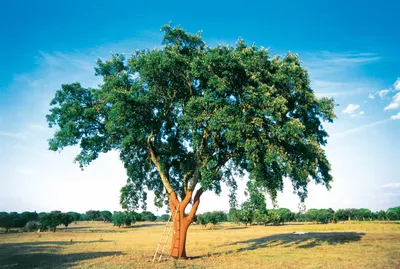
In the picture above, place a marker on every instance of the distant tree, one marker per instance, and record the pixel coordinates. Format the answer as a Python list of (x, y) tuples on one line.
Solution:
[(234, 215), (285, 214), (363, 214), (123, 218), (41, 214), (75, 216), (186, 116), (255, 201), (201, 220), (32, 226), (29, 216), (381, 215), (93, 215), (260, 217), (163, 217), (393, 213), (212, 218), (274, 218), (118, 218), (106, 216), (137, 216), (50, 221), (345, 214), (6, 221), (147, 216), (66, 219), (324, 216)]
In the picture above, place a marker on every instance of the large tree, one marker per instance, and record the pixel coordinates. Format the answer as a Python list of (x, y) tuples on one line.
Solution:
[(185, 116)]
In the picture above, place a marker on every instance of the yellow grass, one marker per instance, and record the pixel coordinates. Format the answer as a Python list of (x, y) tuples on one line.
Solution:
[(99, 245)]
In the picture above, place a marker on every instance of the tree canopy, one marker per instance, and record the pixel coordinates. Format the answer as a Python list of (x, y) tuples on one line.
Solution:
[(186, 116)]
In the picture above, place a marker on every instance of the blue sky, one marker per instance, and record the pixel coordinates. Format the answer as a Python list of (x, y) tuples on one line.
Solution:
[(349, 47)]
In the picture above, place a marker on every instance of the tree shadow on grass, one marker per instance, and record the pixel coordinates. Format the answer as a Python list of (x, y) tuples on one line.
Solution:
[(303, 241), (142, 225), (73, 228), (46, 254), (236, 228)]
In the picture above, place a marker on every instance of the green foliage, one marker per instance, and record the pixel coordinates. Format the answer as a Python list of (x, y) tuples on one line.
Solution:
[(66, 219), (147, 216), (274, 218), (6, 220), (93, 215), (29, 216), (163, 218), (118, 218), (32, 226), (254, 209), (50, 220), (75, 216), (363, 214), (345, 214), (188, 114), (123, 218), (393, 213), (212, 218), (106, 216)]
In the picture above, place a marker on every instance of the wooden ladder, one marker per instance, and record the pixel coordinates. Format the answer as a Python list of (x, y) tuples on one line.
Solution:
[(165, 234)]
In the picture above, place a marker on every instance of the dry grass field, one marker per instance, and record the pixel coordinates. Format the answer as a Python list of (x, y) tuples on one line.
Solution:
[(100, 245)]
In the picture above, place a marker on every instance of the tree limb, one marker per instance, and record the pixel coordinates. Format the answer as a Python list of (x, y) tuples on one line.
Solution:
[(196, 203), (155, 160)]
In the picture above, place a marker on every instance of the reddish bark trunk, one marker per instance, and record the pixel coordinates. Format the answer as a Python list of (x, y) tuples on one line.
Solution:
[(182, 222)]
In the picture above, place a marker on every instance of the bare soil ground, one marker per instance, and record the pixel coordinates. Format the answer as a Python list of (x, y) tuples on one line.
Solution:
[(100, 245)]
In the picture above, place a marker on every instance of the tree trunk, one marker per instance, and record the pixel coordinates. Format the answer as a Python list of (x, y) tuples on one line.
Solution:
[(182, 222), (180, 228)]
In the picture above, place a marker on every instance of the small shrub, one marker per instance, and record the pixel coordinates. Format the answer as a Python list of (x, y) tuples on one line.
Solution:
[(31, 226)]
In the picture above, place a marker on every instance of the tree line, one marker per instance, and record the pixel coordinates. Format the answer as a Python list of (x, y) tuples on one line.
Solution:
[(48, 221), (250, 212)]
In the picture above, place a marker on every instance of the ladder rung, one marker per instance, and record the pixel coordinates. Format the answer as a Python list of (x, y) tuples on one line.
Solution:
[(167, 231)]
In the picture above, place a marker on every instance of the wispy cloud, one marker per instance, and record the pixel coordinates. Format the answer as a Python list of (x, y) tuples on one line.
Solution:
[(335, 74), (13, 135), (349, 57), (360, 128), (393, 185), (332, 59)]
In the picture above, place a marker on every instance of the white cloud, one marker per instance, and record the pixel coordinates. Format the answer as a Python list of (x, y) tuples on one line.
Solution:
[(392, 185), (357, 114), (371, 96), (351, 108), (383, 93), (395, 102), (395, 117), (397, 84)]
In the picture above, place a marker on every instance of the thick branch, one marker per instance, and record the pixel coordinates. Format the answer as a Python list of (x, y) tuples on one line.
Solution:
[(154, 159), (199, 161), (196, 203), (185, 182)]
